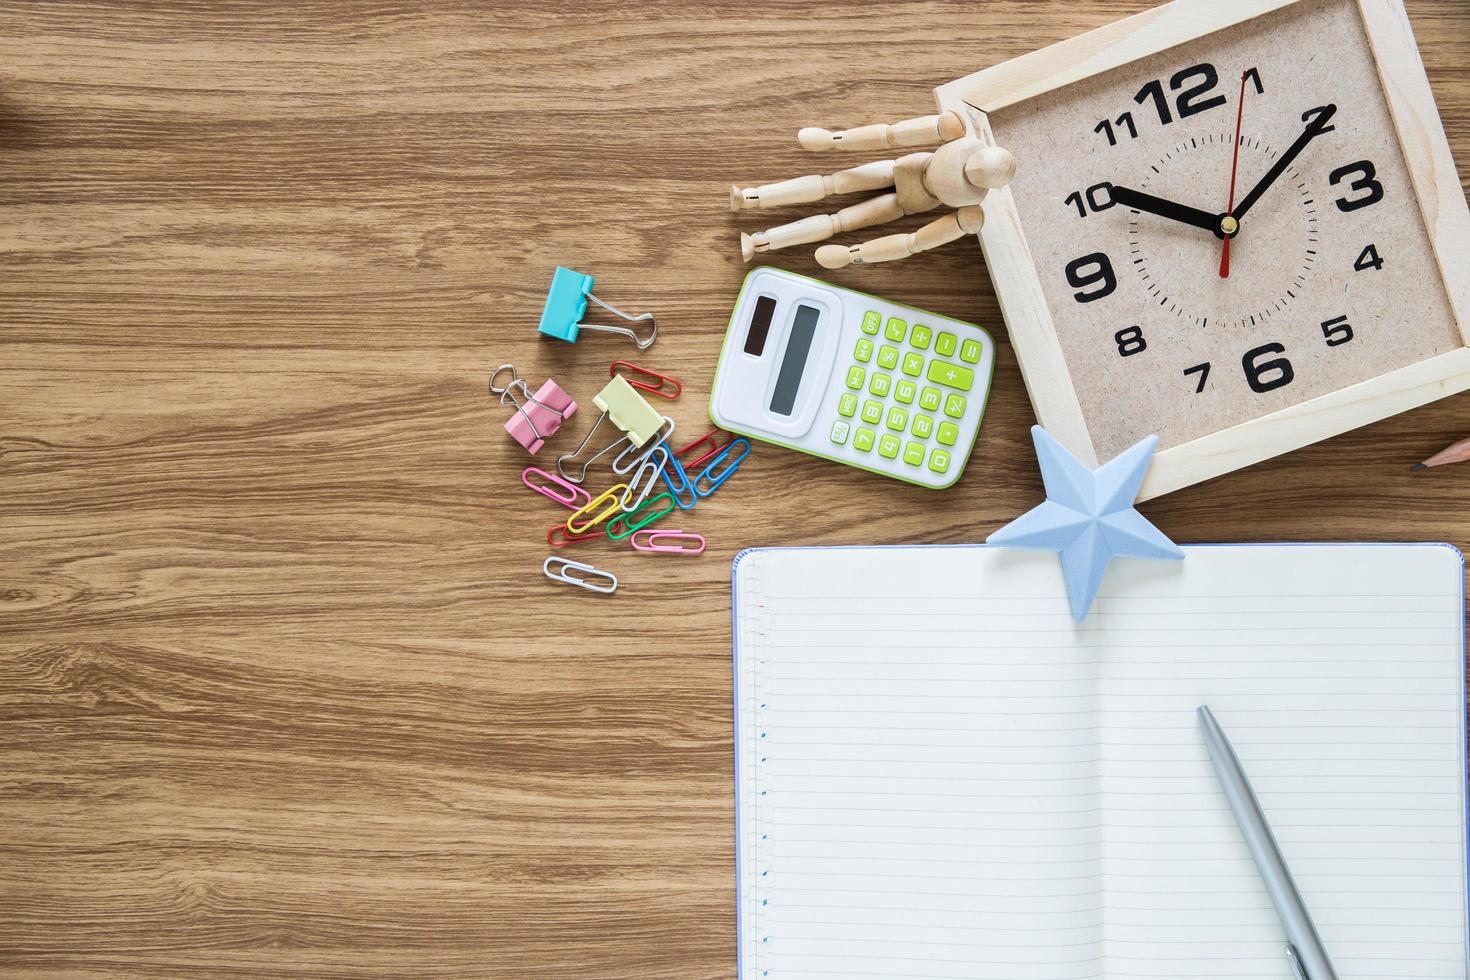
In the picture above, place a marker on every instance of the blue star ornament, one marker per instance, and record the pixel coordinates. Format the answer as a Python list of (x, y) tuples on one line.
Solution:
[(1088, 517)]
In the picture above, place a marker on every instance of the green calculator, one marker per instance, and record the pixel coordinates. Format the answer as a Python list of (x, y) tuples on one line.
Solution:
[(852, 378)]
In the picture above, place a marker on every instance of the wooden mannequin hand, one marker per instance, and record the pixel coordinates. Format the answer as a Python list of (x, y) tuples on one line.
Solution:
[(959, 173)]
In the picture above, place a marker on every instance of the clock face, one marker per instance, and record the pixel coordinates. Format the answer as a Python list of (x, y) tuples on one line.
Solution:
[(1132, 182)]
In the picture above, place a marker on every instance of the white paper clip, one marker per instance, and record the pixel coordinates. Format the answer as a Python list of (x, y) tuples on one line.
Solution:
[(622, 465), (646, 478), (559, 569)]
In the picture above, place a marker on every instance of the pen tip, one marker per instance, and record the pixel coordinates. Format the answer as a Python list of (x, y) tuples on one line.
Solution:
[(1418, 466)]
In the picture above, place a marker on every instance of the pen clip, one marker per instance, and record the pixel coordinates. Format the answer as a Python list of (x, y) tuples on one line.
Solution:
[(1299, 971)]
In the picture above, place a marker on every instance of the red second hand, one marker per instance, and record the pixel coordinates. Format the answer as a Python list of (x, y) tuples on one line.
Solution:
[(1234, 166)]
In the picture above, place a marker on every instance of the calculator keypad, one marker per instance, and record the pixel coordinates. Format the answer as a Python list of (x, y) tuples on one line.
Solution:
[(906, 416)]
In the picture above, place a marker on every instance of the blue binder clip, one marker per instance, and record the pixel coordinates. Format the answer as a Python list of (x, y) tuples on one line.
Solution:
[(566, 304)]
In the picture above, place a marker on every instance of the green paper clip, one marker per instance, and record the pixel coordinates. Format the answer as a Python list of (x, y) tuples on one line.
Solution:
[(628, 410), (640, 517), (566, 304)]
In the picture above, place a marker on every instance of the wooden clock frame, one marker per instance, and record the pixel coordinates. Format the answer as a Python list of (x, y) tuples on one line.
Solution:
[(1432, 174)]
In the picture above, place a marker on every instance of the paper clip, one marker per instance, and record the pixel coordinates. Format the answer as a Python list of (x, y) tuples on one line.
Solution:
[(598, 580), (610, 497), (559, 537), (565, 493), (582, 473), (540, 415), (625, 524), (654, 535), (566, 304), (710, 438), (622, 464), (721, 468), (661, 385), (679, 483), (643, 481)]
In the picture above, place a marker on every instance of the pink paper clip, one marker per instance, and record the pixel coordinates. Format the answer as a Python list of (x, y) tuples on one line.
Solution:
[(559, 537), (711, 439), (537, 417), (564, 493), (643, 379), (651, 538)]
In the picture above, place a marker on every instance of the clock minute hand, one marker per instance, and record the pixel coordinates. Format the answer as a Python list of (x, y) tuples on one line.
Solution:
[(1138, 200), (1316, 127)]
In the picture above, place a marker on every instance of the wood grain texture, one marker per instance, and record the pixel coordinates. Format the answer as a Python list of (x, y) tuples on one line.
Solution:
[(284, 692)]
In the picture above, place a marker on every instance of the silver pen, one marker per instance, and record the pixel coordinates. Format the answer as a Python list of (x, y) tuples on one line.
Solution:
[(1304, 947)]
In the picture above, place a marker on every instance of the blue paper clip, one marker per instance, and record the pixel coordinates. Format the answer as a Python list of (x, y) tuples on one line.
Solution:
[(722, 467), (566, 304), (679, 483)]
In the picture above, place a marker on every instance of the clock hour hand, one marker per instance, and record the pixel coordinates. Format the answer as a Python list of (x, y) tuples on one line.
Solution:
[(1140, 201), (1316, 126)]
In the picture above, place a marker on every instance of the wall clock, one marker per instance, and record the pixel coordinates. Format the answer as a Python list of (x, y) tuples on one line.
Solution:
[(1348, 290), (1235, 225)]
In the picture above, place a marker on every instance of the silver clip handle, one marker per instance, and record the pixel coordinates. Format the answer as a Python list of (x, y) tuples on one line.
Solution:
[(638, 342)]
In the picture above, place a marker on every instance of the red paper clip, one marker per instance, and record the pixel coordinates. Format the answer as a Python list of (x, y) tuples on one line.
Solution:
[(559, 537), (645, 380), (712, 439)]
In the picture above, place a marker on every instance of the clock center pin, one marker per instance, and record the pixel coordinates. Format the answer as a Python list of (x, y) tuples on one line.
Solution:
[(1229, 225)]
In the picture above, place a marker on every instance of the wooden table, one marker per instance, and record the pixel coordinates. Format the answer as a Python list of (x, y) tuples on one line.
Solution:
[(284, 691)]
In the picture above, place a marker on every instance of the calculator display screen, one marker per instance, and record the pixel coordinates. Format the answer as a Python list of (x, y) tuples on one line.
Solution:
[(760, 325), (788, 381)]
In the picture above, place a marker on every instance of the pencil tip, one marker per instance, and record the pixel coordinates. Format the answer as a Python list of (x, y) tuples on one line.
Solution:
[(1419, 466)]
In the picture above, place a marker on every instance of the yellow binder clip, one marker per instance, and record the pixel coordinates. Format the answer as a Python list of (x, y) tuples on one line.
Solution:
[(629, 412)]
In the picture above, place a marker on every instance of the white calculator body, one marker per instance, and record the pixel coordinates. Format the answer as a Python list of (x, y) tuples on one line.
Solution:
[(852, 378)]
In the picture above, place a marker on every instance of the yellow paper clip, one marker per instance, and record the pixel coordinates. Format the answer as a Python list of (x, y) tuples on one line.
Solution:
[(612, 498)]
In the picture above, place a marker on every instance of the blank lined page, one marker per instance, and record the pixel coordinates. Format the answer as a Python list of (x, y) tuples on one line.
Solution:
[(940, 775), (1336, 671)]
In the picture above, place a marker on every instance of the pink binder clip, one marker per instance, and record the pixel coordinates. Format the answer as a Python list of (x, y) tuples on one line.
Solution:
[(537, 417)]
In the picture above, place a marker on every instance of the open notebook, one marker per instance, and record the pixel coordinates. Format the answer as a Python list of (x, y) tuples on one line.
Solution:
[(940, 775)]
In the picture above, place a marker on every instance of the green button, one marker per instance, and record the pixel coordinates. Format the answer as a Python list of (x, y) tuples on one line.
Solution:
[(888, 447), (863, 351), (904, 391), (951, 375), (913, 454), (954, 406), (862, 440), (896, 329), (873, 412), (879, 384), (855, 376), (939, 460), (913, 364), (949, 433), (840, 431), (945, 345), (847, 404), (929, 399), (921, 336), (898, 418), (887, 357), (871, 322), (970, 351), (923, 426)]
